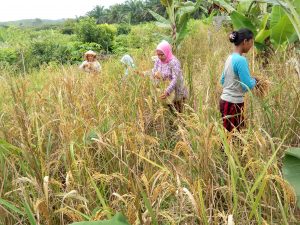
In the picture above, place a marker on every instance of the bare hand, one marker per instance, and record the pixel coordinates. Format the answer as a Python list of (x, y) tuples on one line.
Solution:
[(157, 75), (88, 66), (139, 73), (164, 96), (258, 84)]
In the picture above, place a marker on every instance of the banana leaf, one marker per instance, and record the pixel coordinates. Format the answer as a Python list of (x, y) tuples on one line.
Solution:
[(118, 219), (241, 21), (291, 170), (229, 8), (263, 34), (282, 31), (160, 19)]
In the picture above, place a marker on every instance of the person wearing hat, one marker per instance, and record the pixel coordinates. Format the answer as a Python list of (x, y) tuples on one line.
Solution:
[(90, 65)]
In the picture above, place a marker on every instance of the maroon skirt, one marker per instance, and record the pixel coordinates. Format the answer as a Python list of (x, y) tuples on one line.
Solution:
[(232, 114)]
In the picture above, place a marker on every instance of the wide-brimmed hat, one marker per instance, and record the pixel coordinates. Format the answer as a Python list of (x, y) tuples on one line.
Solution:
[(90, 52)]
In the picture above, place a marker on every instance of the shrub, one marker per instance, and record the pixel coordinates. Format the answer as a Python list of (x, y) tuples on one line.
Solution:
[(88, 31), (121, 44), (8, 56), (79, 48), (107, 35), (123, 28)]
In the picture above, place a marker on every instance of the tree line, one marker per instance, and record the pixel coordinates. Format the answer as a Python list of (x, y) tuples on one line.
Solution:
[(131, 11)]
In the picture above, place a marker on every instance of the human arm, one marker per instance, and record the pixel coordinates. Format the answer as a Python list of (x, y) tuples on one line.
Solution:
[(83, 65), (97, 67), (241, 69), (175, 73), (222, 78)]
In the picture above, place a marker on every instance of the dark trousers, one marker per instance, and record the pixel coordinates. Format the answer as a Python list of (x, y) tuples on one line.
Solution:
[(232, 114)]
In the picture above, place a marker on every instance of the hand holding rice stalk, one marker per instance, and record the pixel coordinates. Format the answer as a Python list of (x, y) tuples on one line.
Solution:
[(262, 86), (161, 87), (88, 65), (157, 75), (140, 73)]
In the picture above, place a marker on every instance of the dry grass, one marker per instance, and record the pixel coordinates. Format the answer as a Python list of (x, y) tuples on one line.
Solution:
[(82, 147)]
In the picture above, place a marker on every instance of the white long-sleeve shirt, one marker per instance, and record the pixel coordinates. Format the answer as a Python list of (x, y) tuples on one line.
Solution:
[(91, 67)]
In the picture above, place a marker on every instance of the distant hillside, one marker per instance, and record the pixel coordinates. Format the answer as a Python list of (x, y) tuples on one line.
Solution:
[(31, 22)]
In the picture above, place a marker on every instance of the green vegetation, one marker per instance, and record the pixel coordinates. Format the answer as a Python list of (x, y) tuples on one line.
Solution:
[(179, 14), (118, 219), (277, 21), (291, 170), (23, 50)]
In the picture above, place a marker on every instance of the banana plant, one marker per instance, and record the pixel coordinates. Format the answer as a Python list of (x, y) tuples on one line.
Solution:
[(291, 170), (280, 25), (179, 12), (118, 219)]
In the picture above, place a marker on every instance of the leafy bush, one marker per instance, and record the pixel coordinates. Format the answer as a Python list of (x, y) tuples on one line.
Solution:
[(68, 27), (144, 35), (45, 51), (120, 44), (107, 35), (140, 37), (79, 48), (123, 28), (8, 56), (88, 31)]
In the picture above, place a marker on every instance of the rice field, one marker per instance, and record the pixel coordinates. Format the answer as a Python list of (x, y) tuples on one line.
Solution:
[(75, 147)]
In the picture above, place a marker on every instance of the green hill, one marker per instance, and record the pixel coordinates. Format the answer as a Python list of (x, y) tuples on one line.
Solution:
[(31, 22)]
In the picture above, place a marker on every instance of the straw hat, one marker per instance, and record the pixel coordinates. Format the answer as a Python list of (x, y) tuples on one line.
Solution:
[(90, 52)]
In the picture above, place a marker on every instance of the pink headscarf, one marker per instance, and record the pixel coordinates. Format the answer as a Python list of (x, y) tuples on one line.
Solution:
[(166, 48)]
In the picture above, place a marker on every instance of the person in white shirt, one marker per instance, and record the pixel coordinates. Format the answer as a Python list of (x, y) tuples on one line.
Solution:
[(90, 65)]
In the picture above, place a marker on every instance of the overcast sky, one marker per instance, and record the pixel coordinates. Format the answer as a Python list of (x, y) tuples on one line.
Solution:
[(48, 9)]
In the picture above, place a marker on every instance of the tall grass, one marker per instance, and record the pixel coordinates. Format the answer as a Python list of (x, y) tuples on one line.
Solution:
[(78, 147)]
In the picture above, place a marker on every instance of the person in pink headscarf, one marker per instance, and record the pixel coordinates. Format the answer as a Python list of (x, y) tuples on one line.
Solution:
[(167, 68)]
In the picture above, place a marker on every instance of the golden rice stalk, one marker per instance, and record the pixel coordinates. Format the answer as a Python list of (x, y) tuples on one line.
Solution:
[(55, 183), (287, 189), (41, 208), (120, 198), (107, 178), (170, 218), (69, 180), (182, 147), (72, 216), (28, 180), (146, 183), (132, 213), (156, 192), (156, 176), (72, 195), (100, 215), (263, 87)]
